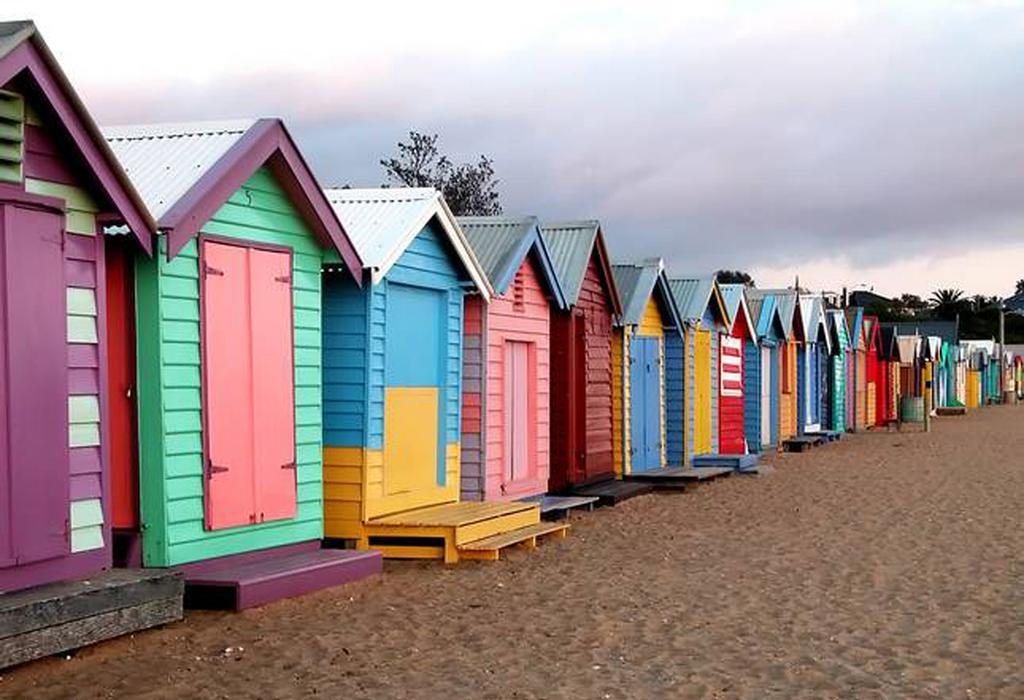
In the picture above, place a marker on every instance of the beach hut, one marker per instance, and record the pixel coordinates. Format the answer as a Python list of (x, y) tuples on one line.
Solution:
[(60, 190), (858, 369), (838, 370), (506, 364), (811, 361), (581, 356), (890, 357), (771, 340), (227, 323), (874, 372), (786, 301), (393, 368), (739, 386), (705, 320), (649, 317)]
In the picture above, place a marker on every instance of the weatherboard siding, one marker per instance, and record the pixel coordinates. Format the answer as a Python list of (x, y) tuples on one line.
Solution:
[(355, 342), (675, 410), (170, 390), (474, 358), (596, 305), (620, 399), (528, 320), (752, 394)]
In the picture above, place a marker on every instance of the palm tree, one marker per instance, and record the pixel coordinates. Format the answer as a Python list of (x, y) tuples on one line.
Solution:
[(948, 303)]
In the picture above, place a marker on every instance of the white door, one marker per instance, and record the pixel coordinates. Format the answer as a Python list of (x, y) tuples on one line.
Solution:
[(766, 396)]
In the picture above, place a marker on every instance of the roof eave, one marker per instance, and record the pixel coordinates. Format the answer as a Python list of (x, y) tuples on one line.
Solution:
[(32, 54)]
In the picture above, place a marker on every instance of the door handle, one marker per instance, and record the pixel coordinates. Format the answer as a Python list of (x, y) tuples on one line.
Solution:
[(212, 468)]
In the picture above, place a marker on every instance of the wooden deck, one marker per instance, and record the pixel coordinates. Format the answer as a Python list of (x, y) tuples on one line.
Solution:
[(801, 443), (742, 463), (828, 435), (63, 616), (679, 478), (558, 507), (612, 491), (444, 531), (253, 583)]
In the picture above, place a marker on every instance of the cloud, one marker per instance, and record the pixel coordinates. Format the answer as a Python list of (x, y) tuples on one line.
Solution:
[(837, 137)]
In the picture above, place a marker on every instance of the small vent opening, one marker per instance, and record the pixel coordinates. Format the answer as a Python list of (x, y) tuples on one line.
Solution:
[(12, 136)]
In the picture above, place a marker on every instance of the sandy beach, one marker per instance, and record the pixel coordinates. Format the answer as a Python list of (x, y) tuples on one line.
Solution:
[(885, 566)]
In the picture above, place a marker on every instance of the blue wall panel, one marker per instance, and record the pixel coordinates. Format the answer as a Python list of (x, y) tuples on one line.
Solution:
[(752, 395), (674, 397)]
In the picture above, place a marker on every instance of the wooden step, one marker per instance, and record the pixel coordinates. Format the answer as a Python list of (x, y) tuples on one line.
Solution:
[(63, 616), (951, 411), (739, 462), (489, 548), (558, 507), (801, 443), (437, 532), (246, 585), (612, 491)]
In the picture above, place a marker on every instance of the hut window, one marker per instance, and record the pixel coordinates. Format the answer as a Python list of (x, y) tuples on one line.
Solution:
[(249, 397), (12, 136), (519, 292)]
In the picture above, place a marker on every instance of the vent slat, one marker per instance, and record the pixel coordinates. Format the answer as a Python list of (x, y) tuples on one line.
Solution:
[(12, 136)]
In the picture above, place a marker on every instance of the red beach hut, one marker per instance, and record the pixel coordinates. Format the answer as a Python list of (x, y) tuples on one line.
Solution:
[(581, 348)]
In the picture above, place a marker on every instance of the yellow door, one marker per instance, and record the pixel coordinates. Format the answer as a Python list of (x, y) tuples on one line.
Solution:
[(702, 393)]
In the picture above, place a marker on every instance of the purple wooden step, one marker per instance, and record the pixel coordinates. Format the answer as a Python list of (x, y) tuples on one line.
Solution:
[(252, 583)]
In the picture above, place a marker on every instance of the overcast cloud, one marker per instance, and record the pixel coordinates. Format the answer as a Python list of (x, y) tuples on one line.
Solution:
[(850, 143)]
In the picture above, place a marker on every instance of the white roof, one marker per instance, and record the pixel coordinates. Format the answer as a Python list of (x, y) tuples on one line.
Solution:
[(381, 222), (164, 161)]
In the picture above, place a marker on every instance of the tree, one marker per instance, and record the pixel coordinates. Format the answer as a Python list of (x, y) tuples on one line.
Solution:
[(469, 188), (1020, 287), (947, 304), (734, 277)]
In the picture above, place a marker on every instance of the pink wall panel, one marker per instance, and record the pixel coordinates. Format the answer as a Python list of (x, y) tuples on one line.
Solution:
[(228, 385), (528, 323), (273, 386)]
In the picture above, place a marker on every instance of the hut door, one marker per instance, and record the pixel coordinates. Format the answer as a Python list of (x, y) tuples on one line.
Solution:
[(248, 385), (414, 432), (34, 479), (518, 426), (645, 403), (124, 479), (766, 396), (702, 392)]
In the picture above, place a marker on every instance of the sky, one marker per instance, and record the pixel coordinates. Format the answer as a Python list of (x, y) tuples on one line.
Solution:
[(865, 145)]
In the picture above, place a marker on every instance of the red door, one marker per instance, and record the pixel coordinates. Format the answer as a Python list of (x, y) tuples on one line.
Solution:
[(248, 385), (34, 478), (730, 397), (124, 474)]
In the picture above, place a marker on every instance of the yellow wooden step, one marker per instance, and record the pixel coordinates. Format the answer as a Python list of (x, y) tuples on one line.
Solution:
[(489, 548)]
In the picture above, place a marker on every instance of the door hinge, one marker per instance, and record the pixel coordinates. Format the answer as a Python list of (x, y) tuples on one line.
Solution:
[(212, 271), (286, 279), (212, 468), (290, 465)]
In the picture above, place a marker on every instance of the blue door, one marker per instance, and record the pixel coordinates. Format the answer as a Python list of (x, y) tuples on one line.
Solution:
[(645, 403)]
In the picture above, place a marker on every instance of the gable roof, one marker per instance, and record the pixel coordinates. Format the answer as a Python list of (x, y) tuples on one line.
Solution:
[(812, 310), (22, 49), (735, 298), (838, 329), (571, 245), (855, 319), (383, 221), (186, 171), (694, 295), (502, 243), (785, 300), (765, 309), (639, 282)]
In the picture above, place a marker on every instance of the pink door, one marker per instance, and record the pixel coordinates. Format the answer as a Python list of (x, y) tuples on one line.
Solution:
[(517, 414), (248, 385), (227, 370), (273, 388)]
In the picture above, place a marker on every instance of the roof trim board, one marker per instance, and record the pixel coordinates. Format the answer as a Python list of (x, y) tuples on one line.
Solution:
[(26, 51), (266, 142), (435, 207)]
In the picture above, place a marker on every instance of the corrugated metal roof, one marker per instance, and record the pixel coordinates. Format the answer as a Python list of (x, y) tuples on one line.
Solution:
[(163, 161), (692, 296), (637, 284), (381, 222), (570, 244), (497, 242), (838, 328), (734, 296), (785, 301)]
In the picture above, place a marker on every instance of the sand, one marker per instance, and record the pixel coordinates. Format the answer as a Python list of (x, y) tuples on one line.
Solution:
[(885, 566)]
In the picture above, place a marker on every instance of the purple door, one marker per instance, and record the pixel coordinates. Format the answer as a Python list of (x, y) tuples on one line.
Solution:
[(34, 478)]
